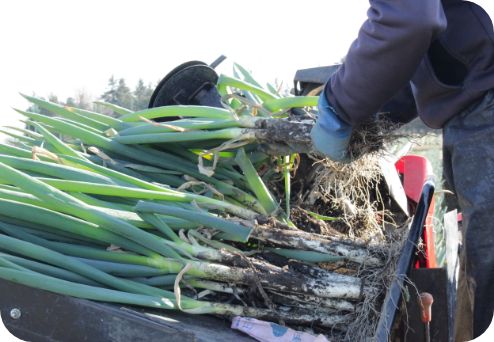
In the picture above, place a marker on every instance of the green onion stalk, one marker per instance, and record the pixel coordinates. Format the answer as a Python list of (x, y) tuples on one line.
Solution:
[(56, 237), (245, 74), (298, 239), (66, 113), (277, 279), (46, 255), (102, 118), (48, 269), (128, 210), (227, 81), (30, 278), (225, 134), (184, 125), (26, 132), (42, 217), (128, 192), (19, 137), (255, 182), (55, 170), (58, 144), (174, 111), (117, 109), (70, 205), (290, 102), (287, 180), (152, 157), (28, 204)]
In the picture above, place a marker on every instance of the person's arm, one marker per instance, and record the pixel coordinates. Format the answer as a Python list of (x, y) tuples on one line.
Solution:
[(401, 109), (331, 135), (384, 57)]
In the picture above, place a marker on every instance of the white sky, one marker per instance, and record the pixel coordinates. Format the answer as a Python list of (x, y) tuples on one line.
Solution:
[(61, 47)]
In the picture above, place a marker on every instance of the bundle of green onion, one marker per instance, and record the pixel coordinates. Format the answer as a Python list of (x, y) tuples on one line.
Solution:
[(130, 210)]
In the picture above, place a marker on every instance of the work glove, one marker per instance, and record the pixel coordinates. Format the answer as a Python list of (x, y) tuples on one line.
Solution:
[(330, 135)]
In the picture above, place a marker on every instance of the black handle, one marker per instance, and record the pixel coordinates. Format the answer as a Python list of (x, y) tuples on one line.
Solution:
[(405, 262)]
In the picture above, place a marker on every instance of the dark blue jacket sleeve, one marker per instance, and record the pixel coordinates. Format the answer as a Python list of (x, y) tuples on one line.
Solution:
[(390, 45), (402, 108)]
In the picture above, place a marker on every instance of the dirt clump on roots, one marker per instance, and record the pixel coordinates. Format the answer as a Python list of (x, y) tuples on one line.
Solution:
[(335, 198), (354, 194), (329, 197), (311, 224), (350, 202), (372, 137)]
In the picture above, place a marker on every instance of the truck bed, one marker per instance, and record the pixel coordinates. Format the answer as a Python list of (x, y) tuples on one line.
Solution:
[(47, 316)]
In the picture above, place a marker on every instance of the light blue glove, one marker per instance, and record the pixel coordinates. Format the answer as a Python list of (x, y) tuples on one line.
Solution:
[(330, 135)]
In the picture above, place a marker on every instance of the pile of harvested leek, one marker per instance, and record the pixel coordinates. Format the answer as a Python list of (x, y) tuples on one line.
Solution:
[(176, 215)]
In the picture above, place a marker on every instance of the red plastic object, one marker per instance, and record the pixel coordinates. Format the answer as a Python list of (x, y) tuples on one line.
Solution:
[(426, 301), (415, 170)]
